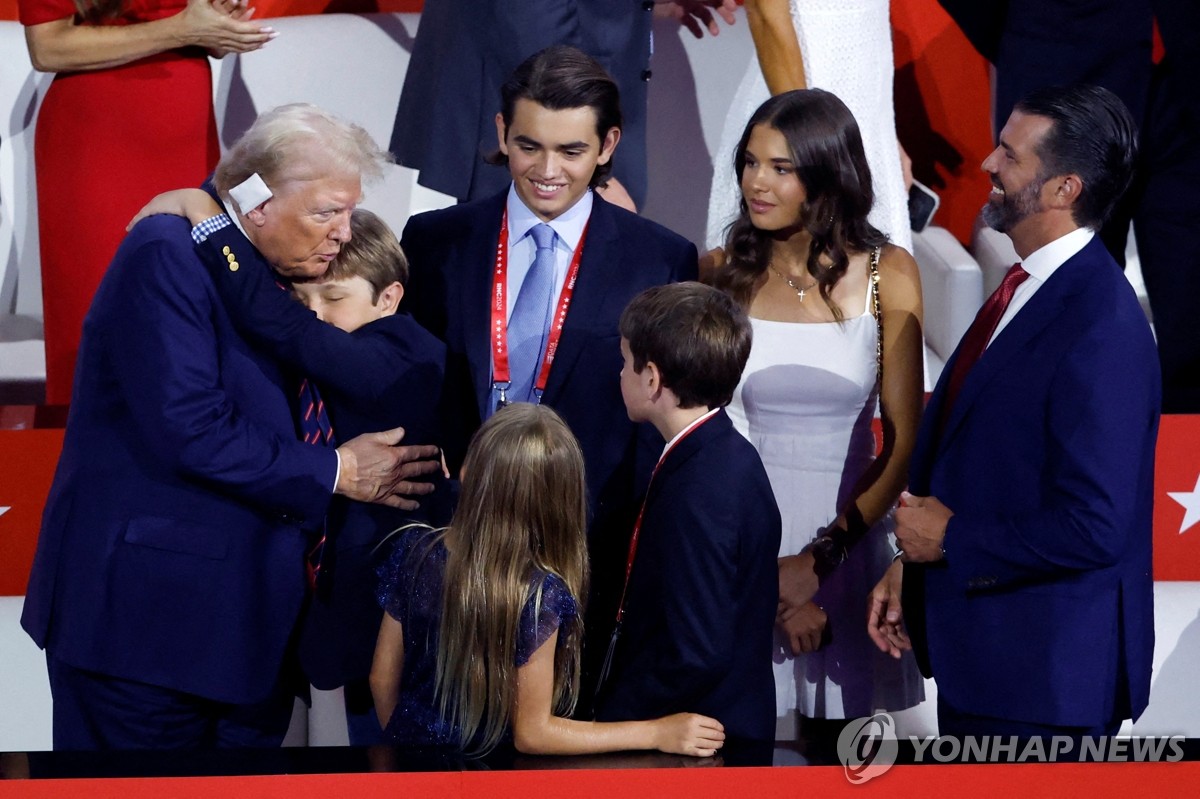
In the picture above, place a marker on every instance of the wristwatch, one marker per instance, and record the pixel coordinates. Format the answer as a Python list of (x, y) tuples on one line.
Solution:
[(827, 551)]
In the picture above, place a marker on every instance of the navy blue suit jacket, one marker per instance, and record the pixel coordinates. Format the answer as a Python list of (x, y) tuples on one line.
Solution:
[(172, 548), (385, 374), (451, 253), (1042, 610), (465, 50), (700, 610)]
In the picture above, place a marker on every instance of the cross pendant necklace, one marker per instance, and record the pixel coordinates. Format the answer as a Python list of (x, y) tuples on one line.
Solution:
[(799, 291)]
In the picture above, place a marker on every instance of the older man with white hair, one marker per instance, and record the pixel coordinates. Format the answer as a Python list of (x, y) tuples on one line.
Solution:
[(170, 569)]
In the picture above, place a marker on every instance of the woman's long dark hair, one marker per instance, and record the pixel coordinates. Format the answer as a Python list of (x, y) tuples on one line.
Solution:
[(827, 151)]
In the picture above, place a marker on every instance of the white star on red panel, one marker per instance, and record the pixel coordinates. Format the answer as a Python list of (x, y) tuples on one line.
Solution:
[(1190, 500)]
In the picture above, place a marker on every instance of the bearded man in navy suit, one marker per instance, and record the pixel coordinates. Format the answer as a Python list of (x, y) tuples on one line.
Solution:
[(558, 127), (1026, 540)]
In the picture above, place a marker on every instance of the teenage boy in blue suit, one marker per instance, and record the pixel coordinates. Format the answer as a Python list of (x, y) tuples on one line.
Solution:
[(558, 127), (700, 601), (1026, 573)]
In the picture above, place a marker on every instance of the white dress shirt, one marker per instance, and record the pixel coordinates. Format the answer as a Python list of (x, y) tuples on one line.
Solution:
[(569, 226), (685, 431), (1040, 265)]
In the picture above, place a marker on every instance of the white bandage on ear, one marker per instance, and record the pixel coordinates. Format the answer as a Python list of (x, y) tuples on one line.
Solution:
[(250, 193)]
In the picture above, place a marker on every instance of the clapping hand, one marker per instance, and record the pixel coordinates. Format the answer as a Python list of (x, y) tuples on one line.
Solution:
[(223, 26)]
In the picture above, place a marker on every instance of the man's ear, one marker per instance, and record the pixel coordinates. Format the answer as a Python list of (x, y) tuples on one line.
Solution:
[(501, 134), (257, 216), (1065, 191), (609, 145), (389, 299)]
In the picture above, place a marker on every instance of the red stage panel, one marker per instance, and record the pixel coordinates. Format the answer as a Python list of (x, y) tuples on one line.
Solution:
[(976, 781), (1177, 499), (27, 460)]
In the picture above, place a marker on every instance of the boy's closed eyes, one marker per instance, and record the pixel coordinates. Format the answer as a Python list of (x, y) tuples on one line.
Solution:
[(348, 303)]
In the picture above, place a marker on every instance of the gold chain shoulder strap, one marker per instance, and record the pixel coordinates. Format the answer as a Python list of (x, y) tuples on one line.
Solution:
[(878, 315)]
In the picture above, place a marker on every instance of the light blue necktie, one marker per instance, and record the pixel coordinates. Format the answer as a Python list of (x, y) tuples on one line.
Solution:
[(529, 325)]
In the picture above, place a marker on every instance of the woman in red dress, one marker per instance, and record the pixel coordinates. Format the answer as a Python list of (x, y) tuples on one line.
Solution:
[(128, 115)]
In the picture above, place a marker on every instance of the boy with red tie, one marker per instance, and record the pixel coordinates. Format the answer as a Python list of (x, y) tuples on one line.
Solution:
[(697, 609)]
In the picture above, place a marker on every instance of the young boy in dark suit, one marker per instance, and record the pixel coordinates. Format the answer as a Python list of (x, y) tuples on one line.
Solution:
[(376, 369), (699, 602)]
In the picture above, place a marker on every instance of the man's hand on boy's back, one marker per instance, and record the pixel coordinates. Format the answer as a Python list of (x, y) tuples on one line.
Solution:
[(375, 469)]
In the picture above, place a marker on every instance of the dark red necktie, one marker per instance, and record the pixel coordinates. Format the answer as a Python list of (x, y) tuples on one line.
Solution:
[(978, 334), (314, 424), (315, 428)]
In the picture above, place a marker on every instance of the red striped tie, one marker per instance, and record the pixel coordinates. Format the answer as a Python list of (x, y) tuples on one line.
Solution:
[(315, 428)]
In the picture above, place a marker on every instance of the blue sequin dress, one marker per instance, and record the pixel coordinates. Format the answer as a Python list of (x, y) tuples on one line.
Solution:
[(410, 591)]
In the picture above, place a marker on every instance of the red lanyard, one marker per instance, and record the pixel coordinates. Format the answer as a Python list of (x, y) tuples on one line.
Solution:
[(637, 526), (501, 378)]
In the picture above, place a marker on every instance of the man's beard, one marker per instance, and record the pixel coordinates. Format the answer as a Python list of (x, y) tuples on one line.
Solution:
[(1006, 214)]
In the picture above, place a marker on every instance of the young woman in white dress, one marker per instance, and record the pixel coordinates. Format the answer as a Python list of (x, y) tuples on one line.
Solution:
[(800, 258)]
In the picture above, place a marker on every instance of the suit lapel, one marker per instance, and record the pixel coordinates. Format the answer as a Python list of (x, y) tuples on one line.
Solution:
[(477, 259), (1016, 337), (600, 253)]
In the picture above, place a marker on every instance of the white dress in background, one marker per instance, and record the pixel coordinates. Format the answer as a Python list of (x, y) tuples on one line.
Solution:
[(806, 401), (847, 49)]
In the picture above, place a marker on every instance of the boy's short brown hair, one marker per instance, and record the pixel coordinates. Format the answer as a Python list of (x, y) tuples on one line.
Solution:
[(373, 253), (697, 336)]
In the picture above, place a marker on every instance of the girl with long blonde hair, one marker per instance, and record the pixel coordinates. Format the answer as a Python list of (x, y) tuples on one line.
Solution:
[(480, 641)]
